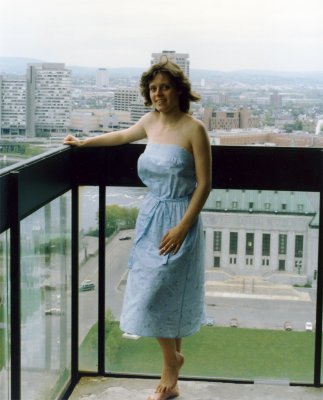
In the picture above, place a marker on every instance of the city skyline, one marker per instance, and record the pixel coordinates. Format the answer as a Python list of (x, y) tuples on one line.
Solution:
[(223, 35)]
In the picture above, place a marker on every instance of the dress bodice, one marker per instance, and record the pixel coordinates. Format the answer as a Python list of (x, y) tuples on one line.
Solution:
[(167, 170)]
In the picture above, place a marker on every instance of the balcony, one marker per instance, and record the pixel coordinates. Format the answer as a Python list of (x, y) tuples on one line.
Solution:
[(52, 334)]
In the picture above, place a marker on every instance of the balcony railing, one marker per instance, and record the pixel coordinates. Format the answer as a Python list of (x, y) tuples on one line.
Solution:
[(40, 255)]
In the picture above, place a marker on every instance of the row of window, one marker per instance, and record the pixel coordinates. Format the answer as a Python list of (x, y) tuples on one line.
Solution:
[(266, 242), (265, 263), (267, 206)]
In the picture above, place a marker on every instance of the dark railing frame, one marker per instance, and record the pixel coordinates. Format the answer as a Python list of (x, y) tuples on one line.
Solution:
[(30, 185)]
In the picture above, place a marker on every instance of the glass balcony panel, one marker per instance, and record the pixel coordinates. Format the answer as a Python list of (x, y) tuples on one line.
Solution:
[(46, 300), (88, 278), (4, 316), (258, 301), (121, 212)]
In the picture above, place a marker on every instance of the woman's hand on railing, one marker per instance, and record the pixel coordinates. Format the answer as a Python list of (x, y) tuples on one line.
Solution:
[(72, 141)]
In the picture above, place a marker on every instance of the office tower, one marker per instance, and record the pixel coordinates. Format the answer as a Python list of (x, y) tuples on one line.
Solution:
[(181, 59), (48, 99), (12, 106), (276, 100), (102, 78), (124, 97)]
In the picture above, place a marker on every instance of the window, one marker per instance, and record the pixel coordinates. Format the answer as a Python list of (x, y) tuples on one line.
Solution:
[(281, 265), (266, 244), (282, 244), (267, 206), (216, 262), (234, 205), (284, 207), (250, 205), (233, 243), (218, 204), (299, 245), (217, 238), (300, 207), (250, 244)]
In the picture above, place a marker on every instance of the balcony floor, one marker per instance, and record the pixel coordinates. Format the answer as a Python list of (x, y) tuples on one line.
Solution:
[(139, 389)]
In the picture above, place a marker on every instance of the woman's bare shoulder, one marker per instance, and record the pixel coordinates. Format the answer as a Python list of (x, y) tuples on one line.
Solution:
[(195, 126), (149, 117)]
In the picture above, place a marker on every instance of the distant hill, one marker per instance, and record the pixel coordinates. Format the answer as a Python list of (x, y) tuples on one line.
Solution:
[(18, 65), (15, 65)]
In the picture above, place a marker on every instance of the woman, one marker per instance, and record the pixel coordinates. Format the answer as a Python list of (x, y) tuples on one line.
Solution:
[(164, 297)]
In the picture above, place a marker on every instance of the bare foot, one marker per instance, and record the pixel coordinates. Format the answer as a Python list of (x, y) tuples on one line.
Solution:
[(169, 376), (165, 395)]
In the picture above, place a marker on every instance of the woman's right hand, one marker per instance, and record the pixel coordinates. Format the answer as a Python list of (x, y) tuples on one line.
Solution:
[(71, 141)]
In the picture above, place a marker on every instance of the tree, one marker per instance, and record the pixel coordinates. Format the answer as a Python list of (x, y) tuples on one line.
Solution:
[(119, 217)]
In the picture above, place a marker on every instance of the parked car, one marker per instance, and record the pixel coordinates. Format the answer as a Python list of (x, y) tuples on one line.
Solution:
[(125, 238), (209, 321), (288, 326), (234, 323), (53, 311), (87, 285), (308, 326)]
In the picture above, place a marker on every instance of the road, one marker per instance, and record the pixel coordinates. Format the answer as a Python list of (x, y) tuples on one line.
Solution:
[(117, 253)]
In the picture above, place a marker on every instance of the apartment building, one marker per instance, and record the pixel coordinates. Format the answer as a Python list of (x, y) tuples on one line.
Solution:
[(48, 99), (12, 106), (181, 59), (124, 97), (102, 78)]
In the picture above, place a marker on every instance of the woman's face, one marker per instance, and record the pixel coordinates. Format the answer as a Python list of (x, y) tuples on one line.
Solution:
[(163, 95)]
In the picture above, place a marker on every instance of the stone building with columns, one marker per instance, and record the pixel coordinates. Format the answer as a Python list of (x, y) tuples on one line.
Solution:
[(270, 234)]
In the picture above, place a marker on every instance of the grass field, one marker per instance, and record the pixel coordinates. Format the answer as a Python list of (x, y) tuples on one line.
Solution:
[(214, 352)]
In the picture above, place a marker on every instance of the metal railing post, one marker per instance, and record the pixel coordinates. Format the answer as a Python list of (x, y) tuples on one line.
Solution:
[(15, 294), (101, 282), (319, 293)]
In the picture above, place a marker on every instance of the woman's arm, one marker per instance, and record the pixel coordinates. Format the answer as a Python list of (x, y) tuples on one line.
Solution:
[(202, 156), (135, 132)]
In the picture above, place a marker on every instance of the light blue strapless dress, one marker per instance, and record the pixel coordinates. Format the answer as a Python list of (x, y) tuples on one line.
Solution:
[(164, 296)]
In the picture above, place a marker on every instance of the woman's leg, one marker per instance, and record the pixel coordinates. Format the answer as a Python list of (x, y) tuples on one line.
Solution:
[(178, 342), (173, 361)]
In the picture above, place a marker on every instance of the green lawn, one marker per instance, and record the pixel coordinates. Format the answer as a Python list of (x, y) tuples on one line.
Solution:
[(213, 352)]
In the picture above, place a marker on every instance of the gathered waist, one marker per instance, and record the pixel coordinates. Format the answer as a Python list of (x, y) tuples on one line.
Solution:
[(169, 199)]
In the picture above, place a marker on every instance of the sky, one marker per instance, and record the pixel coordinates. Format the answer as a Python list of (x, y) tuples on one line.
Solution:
[(223, 35)]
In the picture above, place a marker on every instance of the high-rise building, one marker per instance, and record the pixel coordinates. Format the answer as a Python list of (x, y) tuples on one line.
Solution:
[(12, 106), (181, 59), (124, 97), (102, 78), (48, 99), (276, 100)]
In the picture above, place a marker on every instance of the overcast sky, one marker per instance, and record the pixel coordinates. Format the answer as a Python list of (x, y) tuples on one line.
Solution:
[(218, 34)]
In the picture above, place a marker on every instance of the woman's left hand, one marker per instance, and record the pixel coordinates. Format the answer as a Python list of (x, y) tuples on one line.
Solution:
[(172, 240)]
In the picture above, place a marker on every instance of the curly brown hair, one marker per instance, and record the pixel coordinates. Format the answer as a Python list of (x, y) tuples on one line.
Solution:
[(176, 77)]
